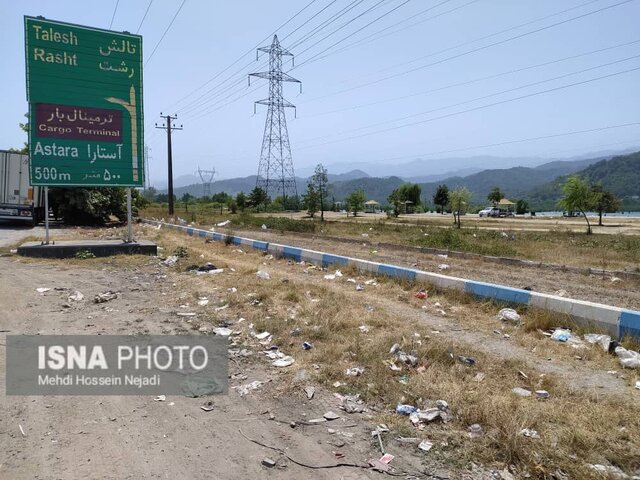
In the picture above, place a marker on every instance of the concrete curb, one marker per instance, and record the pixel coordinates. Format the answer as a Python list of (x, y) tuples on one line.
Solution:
[(618, 322)]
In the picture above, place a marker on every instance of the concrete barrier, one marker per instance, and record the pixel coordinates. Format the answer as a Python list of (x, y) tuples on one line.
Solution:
[(618, 322)]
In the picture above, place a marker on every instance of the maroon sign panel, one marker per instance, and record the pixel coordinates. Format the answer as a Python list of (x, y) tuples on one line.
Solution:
[(78, 123)]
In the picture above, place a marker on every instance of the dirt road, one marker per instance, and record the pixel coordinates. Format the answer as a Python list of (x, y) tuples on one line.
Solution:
[(137, 437)]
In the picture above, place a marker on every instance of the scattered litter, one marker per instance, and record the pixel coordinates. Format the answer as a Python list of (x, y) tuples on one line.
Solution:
[(445, 256), (207, 267), (186, 314), (386, 458), (263, 275), (160, 398), (105, 297), (42, 289), (561, 293), (222, 331), (223, 307), (628, 358), (609, 471), (264, 227), (479, 377), (426, 415), (315, 421), (443, 266), (561, 335), (307, 346), (412, 440), (475, 430), (283, 362), (331, 416), (527, 432), (22, 430), (267, 462), (421, 294), (223, 224), (208, 406), (352, 404), (359, 288), (333, 276), (245, 389), (603, 340), (364, 328), (365, 235), (203, 301), (263, 335), (354, 371), (310, 392), (76, 296), (466, 360), (522, 392), (425, 445), (542, 394), (509, 315), (371, 282), (637, 384), (296, 332), (615, 280), (170, 261)]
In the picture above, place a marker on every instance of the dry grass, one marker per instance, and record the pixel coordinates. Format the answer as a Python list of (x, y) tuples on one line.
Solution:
[(575, 428)]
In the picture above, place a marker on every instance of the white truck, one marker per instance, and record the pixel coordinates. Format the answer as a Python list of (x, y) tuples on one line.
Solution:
[(19, 200)]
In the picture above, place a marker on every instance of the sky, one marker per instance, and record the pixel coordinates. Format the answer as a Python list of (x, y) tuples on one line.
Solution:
[(387, 82)]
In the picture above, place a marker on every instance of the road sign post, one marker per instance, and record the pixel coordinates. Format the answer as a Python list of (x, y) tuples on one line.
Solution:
[(84, 87)]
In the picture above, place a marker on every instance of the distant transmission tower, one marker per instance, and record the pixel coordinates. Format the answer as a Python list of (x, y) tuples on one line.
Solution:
[(275, 170), (206, 176)]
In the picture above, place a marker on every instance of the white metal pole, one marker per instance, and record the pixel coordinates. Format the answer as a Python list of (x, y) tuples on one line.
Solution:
[(129, 236), (46, 215)]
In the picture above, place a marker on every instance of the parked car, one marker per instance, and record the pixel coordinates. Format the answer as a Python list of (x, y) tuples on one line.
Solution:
[(489, 212)]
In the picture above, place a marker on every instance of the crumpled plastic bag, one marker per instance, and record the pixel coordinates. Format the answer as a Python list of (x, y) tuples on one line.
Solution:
[(628, 358)]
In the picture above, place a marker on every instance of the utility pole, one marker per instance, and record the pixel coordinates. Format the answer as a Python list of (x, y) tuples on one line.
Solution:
[(168, 127), (275, 170)]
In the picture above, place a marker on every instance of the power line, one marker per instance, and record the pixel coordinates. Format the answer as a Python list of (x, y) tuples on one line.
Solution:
[(165, 32), (484, 47), (477, 108), (375, 35), (521, 140), (539, 82), (357, 31), (475, 80), (144, 16), (114, 14), (303, 39), (251, 50), (471, 51)]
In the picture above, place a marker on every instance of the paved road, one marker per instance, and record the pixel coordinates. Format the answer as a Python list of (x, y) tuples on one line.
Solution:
[(11, 233)]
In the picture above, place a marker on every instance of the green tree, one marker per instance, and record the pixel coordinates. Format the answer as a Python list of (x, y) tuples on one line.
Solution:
[(241, 201), (257, 198), (605, 201), (410, 192), (522, 207), (578, 196), (320, 182), (459, 202), (495, 195), (441, 197), (310, 200), (395, 199), (356, 201)]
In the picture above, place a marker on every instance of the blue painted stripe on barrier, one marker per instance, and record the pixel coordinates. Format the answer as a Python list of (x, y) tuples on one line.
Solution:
[(391, 271), (497, 292), (292, 252), (217, 236), (328, 259), (190, 231), (257, 244), (236, 240), (202, 233), (629, 323)]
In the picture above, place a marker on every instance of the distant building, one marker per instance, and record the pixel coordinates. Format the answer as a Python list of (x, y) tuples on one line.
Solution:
[(371, 206)]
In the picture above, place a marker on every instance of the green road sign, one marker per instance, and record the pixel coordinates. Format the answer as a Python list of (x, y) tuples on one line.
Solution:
[(84, 87)]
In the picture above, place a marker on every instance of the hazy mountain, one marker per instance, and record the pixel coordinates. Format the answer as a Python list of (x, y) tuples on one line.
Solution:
[(620, 174)]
